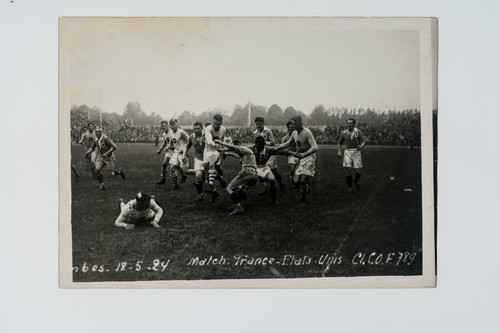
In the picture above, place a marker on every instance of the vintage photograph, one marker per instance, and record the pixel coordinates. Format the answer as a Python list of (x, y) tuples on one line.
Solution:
[(250, 152)]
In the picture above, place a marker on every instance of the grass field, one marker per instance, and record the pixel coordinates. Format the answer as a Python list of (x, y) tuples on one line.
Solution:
[(375, 231)]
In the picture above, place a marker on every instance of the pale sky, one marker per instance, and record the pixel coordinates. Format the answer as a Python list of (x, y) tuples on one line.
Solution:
[(172, 65)]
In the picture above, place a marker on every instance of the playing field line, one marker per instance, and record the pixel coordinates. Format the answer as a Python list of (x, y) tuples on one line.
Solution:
[(361, 211)]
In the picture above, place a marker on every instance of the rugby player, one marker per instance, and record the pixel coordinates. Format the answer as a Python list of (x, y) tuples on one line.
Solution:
[(267, 134), (292, 160), (197, 141), (87, 140), (306, 153), (211, 155), (245, 179), (104, 148), (354, 141), (264, 173), (142, 209), (168, 151), (178, 162)]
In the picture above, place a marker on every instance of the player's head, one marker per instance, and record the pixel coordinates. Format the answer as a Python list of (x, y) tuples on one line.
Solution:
[(260, 142), (350, 123), (98, 132), (217, 121), (237, 142), (290, 127), (198, 128), (143, 200), (173, 124), (164, 125), (297, 122), (259, 123), (90, 127)]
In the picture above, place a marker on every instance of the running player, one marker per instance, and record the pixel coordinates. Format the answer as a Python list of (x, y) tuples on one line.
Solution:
[(245, 179), (87, 140), (292, 160), (211, 155), (104, 148), (306, 153), (354, 141), (143, 208), (197, 141), (165, 135), (178, 162), (267, 134)]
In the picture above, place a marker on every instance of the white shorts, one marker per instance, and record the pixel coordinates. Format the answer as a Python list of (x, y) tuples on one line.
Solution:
[(265, 172), (211, 157), (307, 166), (101, 162), (179, 159), (198, 165), (168, 155), (272, 162), (352, 159), (292, 160)]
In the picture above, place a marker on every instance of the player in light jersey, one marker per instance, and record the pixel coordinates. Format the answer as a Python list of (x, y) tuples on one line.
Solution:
[(211, 155), (87, 140), (142, 209), (262, 156), (104, 148), (267, 134), (197, 140), (306, 153), (292, 160), (354, 141), (245, 179), (178, 162), (168, 151)]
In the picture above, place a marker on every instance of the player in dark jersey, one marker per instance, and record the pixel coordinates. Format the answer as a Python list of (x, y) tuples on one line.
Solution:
[(197, 140), (104, 148), (262, 156), (267, 134), (354, 141)]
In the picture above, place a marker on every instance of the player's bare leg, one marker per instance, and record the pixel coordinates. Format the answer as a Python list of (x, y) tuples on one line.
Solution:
[(349, 179), (212, 175), (75, 172), (200, 179), (357, 177), (100, 178), (174, 177), (220, 175), (236, 198), (304, 187), (164, 171), (279, 179)]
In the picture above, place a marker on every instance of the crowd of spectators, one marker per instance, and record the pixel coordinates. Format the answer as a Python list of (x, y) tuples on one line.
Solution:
[(398, 130)]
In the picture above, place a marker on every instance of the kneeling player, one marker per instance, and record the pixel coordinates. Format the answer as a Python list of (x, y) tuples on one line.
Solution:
[(245, 179), (142, 209)]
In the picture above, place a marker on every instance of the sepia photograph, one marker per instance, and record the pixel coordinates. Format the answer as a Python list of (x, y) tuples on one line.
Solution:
[(249, 152)]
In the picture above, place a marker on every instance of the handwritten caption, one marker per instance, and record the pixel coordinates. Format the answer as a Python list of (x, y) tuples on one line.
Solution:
[(359, 259)]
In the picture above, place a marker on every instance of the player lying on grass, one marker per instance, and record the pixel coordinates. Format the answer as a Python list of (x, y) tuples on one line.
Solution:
[(245, 179), (104, 148), (142, 209)]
